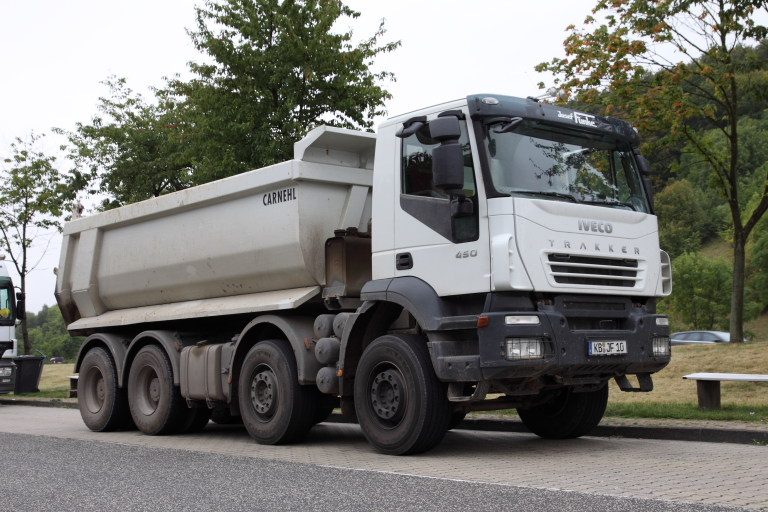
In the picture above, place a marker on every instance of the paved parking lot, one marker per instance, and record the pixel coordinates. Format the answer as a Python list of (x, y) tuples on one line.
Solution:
[(723, 474)]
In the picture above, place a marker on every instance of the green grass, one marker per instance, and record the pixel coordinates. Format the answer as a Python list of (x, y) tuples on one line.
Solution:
[(687, 411), (44, 393)]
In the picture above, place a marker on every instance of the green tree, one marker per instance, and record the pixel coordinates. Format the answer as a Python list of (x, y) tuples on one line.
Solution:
[(48, 334), (701, 292), (274, 70), (132, 151), (681, 218), (675, 67), (30, 207)]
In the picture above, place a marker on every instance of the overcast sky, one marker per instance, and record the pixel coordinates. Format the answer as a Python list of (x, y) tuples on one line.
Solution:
[(54, 54)]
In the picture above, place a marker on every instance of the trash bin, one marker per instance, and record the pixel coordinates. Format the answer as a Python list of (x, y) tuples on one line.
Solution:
[(28, 372), (7, 376)]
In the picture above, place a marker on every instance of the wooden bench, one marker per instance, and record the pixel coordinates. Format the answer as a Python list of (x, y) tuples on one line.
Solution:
[(708, 385), (72, 393)]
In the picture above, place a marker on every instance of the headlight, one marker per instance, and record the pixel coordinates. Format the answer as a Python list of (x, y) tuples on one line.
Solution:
[(521, 320), (660, 345), (662, 320), (519, 349), (6, 371)]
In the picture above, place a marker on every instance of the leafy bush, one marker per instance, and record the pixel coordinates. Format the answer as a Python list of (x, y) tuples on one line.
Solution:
[(701, 292), (48, 334)]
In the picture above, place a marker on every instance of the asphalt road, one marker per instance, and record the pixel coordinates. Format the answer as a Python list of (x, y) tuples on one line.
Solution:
[(49, 473)]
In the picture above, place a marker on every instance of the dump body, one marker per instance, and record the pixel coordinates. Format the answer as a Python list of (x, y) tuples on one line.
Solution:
[(229, 243)]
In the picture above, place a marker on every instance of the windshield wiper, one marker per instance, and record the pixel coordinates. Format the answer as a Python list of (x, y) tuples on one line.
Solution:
[(611, 203), (551, 194)]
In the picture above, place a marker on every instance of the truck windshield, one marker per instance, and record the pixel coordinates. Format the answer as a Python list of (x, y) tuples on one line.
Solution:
[(6, 302), (554, 163)]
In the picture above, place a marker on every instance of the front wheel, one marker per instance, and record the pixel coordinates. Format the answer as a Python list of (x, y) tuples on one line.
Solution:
[(401, 405), (567, 416)]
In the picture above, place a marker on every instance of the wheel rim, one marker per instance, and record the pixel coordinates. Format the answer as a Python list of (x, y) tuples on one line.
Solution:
[(387, 395), (95, 390), (149, 390), (264, 392)]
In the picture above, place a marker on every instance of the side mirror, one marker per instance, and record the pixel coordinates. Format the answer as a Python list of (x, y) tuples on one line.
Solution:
[(447, 158), (648, 191), (21, 311), (643, 165)]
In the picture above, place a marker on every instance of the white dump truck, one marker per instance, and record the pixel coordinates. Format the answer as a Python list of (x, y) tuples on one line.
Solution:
[(11, 310), (489, 253)]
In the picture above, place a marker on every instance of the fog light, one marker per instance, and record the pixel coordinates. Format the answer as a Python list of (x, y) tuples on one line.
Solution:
[(662, 320), (521, 320), (660, 345), (6, 372), (519, 349)]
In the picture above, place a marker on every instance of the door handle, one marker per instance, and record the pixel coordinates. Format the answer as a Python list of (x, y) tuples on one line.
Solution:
[(404, 261)]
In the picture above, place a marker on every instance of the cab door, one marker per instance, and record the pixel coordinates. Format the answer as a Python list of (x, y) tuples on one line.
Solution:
[(450, 253)]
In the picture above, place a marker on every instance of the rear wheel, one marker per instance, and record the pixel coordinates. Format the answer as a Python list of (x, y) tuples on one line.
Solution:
[(157, 406), (324, 407), (222, 416), (275, 408), (568, 415), (401, 405), (196, 420), (103, 405)]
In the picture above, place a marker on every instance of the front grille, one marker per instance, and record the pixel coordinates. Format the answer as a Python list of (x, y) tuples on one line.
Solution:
[(592, 271)]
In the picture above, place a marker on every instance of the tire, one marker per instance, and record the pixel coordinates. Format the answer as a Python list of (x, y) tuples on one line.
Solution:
[(196, 420), (456, 418), (103, 405), (401, 405), (224, 417), (568, 416), (157, 406), (325, 404), (274, 407)]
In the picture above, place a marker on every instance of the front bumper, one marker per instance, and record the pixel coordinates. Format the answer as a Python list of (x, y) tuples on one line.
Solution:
[(567, 326), (7, 383)]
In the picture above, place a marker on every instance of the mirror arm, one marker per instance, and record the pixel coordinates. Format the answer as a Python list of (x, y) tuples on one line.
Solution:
[(411, 126)]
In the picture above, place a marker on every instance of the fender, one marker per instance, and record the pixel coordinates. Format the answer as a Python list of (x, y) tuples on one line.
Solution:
[(115, 344), (432, 312), (298, 330), (169, 340), (370, 321)]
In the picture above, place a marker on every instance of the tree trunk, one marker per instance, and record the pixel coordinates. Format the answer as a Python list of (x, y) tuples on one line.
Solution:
[(737, 291), (24, 331)]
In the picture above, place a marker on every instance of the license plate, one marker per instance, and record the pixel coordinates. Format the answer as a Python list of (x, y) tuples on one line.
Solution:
[(607, 348)]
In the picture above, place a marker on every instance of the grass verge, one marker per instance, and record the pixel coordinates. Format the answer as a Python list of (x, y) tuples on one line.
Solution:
[(687, 411)]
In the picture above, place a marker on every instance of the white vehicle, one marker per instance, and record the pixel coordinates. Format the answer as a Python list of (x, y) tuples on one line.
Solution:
[(9, 312), (491, 245)]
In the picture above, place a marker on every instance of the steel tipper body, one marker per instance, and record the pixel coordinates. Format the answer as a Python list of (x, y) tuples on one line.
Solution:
[(487, 245)]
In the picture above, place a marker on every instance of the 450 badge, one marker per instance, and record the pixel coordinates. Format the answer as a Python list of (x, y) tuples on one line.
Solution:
[(466, 254)]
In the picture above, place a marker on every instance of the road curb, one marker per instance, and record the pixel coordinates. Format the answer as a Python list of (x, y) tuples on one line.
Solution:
[(705, 435), (39, 403)]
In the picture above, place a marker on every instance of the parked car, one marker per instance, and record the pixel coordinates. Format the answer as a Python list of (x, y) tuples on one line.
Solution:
[(57, 360), (700, 337)]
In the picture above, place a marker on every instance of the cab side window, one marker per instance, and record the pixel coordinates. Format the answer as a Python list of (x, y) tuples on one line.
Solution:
[(416, 180), (417, 164)]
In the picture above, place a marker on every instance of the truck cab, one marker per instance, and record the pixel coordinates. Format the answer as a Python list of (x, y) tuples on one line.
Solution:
[(558, 242), (8, 315)]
